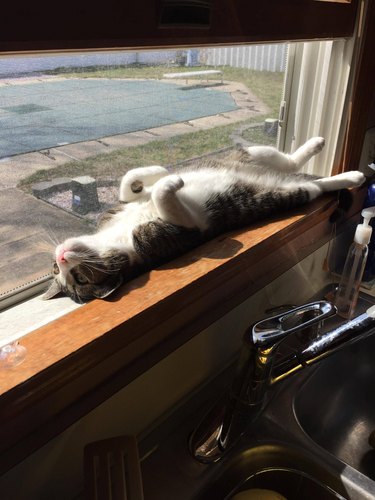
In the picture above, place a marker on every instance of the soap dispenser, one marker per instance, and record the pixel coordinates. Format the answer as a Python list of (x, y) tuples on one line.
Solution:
[(348, 289)]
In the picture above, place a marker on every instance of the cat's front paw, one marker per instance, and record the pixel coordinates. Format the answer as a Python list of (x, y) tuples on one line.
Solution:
[(172, 183)]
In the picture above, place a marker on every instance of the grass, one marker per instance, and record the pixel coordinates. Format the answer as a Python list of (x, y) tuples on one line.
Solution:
[(165, 152), (257, 136), (266, 85)]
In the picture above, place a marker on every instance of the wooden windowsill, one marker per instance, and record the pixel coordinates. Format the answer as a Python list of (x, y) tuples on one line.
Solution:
[(78, 361)]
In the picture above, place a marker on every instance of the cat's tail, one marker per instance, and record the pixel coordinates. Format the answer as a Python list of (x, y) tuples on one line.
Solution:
[(137, 183)]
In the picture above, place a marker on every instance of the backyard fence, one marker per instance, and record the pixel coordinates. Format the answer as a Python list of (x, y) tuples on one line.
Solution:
[(269, 57)]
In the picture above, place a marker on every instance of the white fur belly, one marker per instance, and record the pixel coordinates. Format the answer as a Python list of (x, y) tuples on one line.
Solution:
[(199, 186)]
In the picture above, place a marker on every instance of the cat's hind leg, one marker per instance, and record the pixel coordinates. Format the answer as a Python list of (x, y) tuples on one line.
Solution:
[(304, 153), (137, 183), (266, 156), (340, 181), (315, 188)]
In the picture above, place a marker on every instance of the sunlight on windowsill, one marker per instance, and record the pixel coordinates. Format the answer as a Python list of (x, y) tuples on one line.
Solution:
[(19, 320)]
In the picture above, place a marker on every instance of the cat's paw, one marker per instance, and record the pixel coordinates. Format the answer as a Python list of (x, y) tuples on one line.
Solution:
[(354, 178), (172, 183), (315, 145), (341, 181)]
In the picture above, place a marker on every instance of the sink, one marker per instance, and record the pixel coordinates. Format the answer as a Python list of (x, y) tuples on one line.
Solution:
[(310, 442), (336, 405), (275, 467)]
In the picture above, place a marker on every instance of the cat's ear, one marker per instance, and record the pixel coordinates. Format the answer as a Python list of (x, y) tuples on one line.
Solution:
[(54, 289), (101, 292)]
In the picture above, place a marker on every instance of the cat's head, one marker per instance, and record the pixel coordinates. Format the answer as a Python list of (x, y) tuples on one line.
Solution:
[(84, 274)]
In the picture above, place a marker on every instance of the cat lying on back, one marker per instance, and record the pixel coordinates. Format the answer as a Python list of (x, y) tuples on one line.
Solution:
[(163, 215)]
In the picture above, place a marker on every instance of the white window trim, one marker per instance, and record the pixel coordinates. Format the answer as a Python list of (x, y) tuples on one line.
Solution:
[(316, 93)]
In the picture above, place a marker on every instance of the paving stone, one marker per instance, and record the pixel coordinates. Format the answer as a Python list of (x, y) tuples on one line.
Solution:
[(55, 155), (127, 140), (171, 130), (82, 150), (45, 188)]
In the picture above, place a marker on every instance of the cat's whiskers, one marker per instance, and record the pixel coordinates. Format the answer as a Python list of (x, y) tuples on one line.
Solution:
[(85, 266), (87, 256), (100, 269), (78, 297), (44, 246), (89, 260), (52, 237)]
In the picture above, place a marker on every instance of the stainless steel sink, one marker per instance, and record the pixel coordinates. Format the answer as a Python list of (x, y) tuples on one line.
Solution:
[(275, 467), (336, 406), (310, 442)]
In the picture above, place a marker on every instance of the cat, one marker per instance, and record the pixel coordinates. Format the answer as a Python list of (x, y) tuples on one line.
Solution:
[(162, 214)]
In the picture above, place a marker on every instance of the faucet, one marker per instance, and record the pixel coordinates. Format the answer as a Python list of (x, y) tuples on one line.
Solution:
[(257, 371)]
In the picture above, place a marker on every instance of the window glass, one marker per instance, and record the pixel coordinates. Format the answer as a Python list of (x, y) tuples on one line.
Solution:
[(73, 124)]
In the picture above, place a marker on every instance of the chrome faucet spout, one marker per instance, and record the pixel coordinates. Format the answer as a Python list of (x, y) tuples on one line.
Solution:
[(271, 330), (256, 371), (327, 344)]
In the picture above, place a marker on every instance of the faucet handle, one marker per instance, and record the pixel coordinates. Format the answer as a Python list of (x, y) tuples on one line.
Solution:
[(270, 331)]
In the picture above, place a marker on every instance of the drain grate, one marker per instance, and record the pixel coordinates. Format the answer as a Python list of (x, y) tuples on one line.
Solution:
[(23, 109)]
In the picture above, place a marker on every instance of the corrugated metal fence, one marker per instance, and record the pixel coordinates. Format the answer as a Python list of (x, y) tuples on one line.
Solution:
[(269, 57), (258, 57)]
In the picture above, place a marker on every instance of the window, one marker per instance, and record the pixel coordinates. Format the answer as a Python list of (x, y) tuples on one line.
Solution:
[(91, 353), (72, 125)]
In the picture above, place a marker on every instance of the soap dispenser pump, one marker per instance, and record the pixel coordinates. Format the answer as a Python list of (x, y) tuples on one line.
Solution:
[(348, 289)]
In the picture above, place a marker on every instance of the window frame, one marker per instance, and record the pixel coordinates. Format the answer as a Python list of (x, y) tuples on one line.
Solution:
[(316, 92), (78, 361), (138, 25)]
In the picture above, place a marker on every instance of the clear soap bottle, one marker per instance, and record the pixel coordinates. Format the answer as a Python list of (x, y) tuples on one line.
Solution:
[(348, 289)]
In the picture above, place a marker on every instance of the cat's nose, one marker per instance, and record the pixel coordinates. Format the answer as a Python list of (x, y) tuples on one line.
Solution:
[(60, 254)]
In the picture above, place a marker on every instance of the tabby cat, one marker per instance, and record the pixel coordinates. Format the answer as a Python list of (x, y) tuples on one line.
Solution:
[(162, 215)]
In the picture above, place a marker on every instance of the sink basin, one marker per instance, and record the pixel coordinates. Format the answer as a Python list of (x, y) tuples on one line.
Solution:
[(336, 406), (278, 468)]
